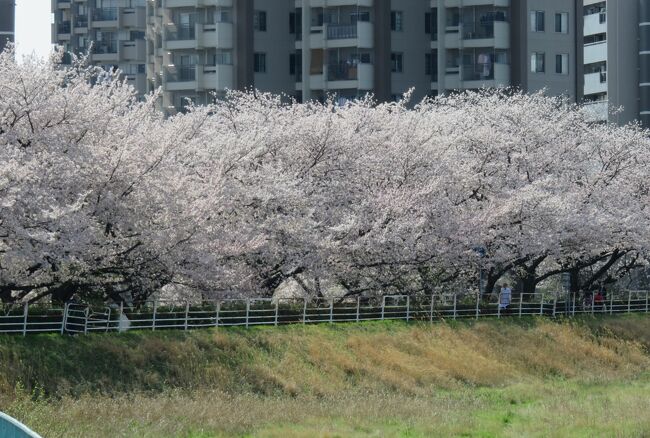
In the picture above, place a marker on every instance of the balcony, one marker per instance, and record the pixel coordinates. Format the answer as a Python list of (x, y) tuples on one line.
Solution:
[(61, 4), (63, 28), (81, 21), (104, 15), (218, 35), (182, 77), (105, 51), (180, 37), (133, 50), (341, 31), (346, 35), (496, 35), (215, 77), (595, 52), (350, 75), (595, 24), (595, 83)]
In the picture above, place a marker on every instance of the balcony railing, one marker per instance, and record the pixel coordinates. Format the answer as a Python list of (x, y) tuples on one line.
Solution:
[(341, 31), (342, 72), (105, 14), (478, 71), (63, 27), (81, 21), (181, 73), (181, 33), (101, 47)]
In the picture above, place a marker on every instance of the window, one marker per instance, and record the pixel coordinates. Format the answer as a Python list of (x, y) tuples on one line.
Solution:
[(562, 64), (259, 21), (359, 16), (292, 22), (428, 63), (396, 62), (427, 23), (223, 58), (259, 62), (537, 21), (142, 69), (135, 35), (223, 16), (537, 62), (396, 21), (292, 64), (562, 22)]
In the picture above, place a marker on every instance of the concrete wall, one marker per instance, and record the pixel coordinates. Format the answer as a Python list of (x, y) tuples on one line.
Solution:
[(551, 43), (413, 43), (623, 59), (278, 44)]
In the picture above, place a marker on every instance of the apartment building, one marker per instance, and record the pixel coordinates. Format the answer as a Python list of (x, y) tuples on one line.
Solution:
[(7, 22), (310, 49), (616, 61), (115, 29)]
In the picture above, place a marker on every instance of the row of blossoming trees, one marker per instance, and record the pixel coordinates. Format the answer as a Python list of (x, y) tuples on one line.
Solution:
[(100, 194)]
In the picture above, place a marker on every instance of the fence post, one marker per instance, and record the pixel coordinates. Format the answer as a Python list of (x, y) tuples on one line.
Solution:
[(276, 311), (541, 306), (646, 301), (120, 317), (187, 314), (629, 301), (611, 303), (358, 308), (155, 309), (331, 310), (455, 300), (304, 310), (25, 314), (86, 320), (593, 301), (216, 315), (64, 317), (521, 301), (433, 297), (248, 310), (408, 308), (108, 320), (383, 305), (554, 305), (573, 306)]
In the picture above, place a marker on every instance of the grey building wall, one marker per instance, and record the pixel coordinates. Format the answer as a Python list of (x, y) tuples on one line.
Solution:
[(278, 45), (244, 43), (623, 59), (382, 43), (525, 42), (7, 22), (644, 62), (413, 43)]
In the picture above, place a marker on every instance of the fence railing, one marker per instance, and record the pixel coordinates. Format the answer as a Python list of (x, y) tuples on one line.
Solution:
[(160, 315)]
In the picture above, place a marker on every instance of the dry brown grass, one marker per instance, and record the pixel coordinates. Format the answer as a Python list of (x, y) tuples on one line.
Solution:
[(340, 380)]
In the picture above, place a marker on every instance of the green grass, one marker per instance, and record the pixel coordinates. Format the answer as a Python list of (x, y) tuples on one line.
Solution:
[(528, 377)]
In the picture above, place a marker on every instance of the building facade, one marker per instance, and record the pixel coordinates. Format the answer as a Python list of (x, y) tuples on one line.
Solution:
[(7, 22), (310, 49), (617, 60), (112, 30)]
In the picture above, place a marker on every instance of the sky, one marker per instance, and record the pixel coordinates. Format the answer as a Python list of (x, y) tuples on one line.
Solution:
[(33, 27)]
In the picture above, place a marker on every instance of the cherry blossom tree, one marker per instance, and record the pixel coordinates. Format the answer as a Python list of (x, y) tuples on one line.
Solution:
[(103, 197)]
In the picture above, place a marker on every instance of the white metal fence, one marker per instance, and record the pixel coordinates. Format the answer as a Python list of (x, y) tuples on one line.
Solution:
[(161, 315)]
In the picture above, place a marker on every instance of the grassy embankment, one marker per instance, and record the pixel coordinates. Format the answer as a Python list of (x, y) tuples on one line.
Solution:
[(487, 378)]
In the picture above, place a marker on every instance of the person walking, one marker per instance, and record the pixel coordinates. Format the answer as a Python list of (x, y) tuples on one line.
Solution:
[(505, 297)]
